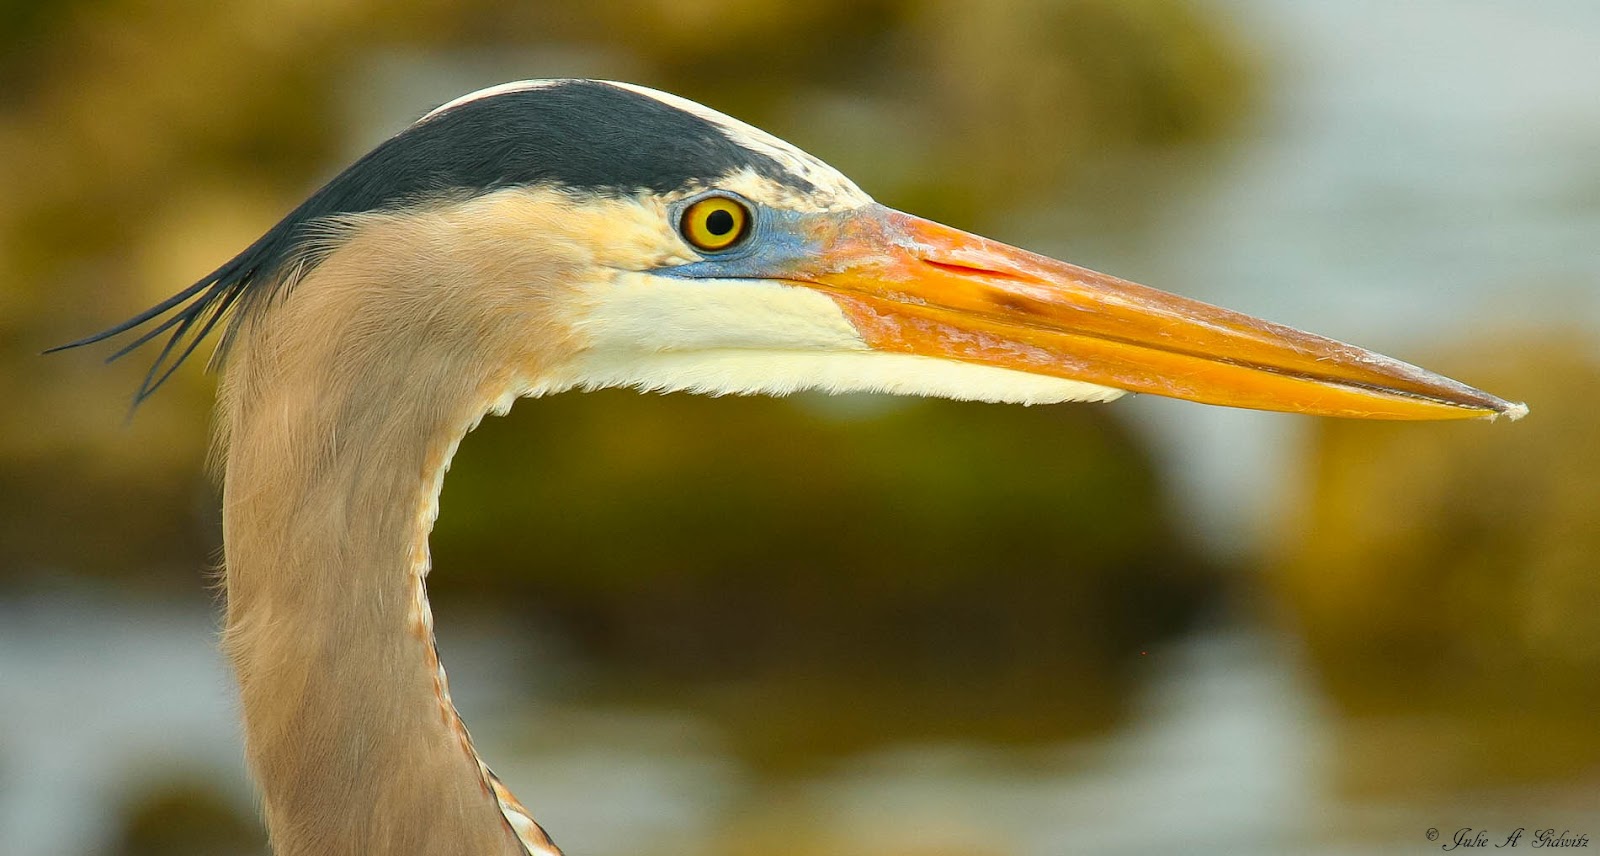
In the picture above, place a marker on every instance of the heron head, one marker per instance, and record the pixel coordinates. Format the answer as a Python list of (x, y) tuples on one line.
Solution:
[(670, 247)]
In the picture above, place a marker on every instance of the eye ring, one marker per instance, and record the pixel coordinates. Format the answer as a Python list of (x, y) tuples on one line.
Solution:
[(715, 223)]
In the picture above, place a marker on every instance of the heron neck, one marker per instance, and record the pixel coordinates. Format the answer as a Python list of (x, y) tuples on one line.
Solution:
[(337, 447)]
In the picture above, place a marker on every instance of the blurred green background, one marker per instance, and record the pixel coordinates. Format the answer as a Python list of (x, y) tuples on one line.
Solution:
[(869, 625)]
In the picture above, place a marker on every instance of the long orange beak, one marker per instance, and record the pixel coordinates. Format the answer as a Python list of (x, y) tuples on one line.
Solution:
[(914, 286)]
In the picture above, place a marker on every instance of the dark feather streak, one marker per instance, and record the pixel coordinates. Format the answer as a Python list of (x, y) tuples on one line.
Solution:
[(585, 136)]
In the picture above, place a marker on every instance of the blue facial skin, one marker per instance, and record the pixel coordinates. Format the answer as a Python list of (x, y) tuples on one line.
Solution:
[(779, 243)]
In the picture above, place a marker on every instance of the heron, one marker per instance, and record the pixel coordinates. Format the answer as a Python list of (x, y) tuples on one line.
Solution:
[(550, 235)]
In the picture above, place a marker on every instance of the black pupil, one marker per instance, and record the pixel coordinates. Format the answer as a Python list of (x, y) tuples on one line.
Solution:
[(719, 222)]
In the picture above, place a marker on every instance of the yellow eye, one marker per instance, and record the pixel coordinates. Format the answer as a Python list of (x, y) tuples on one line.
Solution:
[(715, 223)]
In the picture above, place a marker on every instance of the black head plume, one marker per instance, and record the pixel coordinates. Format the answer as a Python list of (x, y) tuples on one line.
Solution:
[(586, 136)]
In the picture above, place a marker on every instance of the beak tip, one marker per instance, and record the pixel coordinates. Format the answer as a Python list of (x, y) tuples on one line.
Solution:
[(1509, 410)]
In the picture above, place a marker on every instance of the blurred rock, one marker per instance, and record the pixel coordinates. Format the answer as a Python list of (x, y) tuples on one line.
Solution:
[(993, 562), (187, 819), (1450, 573)]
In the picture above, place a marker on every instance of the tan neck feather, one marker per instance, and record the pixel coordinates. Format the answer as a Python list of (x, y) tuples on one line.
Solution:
[(341, 406)]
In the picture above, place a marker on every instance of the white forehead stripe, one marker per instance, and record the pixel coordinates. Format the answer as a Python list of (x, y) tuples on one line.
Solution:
[(492, 91), (833, 189), (825, 178)]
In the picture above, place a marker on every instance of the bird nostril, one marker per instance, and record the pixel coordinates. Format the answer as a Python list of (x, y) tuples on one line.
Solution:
[(971, 270)]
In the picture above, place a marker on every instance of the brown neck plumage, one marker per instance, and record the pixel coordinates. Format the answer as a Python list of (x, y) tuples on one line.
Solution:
[(341, 407)]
